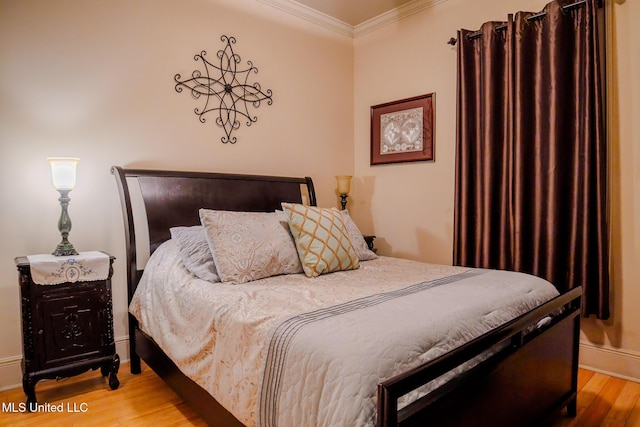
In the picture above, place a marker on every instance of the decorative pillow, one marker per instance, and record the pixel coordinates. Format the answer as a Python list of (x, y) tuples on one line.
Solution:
[(359, 244), (248, 246), (194, 252), (321, 239)]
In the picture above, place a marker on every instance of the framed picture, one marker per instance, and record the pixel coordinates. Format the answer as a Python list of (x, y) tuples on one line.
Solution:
[(402, 131)]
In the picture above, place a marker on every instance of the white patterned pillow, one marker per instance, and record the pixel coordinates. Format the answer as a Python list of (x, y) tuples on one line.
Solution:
[(321, 239), (360, 245), (248, 246), (194, 252)]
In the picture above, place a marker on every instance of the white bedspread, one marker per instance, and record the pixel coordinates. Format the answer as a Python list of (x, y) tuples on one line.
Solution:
[(291, 351)]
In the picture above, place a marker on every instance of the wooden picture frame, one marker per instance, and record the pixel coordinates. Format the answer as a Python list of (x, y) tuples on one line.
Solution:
[(402, 131)]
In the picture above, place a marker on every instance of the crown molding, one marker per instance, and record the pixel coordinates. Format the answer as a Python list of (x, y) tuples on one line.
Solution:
[(305, 12), (393, 15)]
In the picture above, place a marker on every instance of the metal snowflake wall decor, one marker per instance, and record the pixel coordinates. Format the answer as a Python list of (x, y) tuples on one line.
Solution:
[(229, 93)]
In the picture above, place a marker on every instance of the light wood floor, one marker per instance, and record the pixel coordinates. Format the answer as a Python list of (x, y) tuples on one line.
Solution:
[(141, 400), (604, 401), (144, 400)]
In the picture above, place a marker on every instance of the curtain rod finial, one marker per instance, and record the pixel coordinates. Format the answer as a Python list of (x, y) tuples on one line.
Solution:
[(452, 41)]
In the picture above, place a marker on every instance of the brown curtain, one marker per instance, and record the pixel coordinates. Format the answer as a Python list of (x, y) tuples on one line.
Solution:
[(531, 152)]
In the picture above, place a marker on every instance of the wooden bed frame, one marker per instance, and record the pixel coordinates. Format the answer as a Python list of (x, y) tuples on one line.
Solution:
[(528, 382)]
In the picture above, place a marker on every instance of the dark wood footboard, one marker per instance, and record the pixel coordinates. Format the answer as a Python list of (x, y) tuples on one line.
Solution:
[(526, 383)]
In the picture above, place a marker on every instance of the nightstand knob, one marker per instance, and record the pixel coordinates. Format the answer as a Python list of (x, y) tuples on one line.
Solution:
[(40, 331)]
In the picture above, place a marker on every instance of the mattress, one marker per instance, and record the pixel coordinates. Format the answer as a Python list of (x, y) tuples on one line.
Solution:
[(290, 350)]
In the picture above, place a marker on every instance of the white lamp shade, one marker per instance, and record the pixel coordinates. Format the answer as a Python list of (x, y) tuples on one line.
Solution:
[(63, 172), (344, 184)]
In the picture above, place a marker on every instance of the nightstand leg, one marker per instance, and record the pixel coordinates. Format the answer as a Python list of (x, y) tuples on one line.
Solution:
[(29, 387), (113, 375)]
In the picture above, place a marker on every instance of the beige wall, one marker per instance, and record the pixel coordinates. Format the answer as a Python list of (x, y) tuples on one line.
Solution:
[(410, 206), (614, 345), (94, 79)]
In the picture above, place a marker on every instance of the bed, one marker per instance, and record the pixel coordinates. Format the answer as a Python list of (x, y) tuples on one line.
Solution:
[(520, 371)]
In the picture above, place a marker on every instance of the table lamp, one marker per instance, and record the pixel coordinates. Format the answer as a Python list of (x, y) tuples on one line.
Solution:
[(63, 174)]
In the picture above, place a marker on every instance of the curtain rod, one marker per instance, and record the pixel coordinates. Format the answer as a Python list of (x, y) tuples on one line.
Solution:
[(452, 41)]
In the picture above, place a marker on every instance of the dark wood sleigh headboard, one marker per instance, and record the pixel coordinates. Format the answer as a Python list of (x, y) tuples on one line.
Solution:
[(173, 198)]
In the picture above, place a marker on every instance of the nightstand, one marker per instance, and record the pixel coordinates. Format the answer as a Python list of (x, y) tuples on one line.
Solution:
[(67, 327)]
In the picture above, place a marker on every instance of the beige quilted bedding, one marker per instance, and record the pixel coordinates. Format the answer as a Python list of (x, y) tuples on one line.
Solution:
[(224, 336)]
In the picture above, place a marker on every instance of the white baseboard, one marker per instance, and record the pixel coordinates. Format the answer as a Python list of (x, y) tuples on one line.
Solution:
[(11, 369), (10, 373), (611, 361)]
